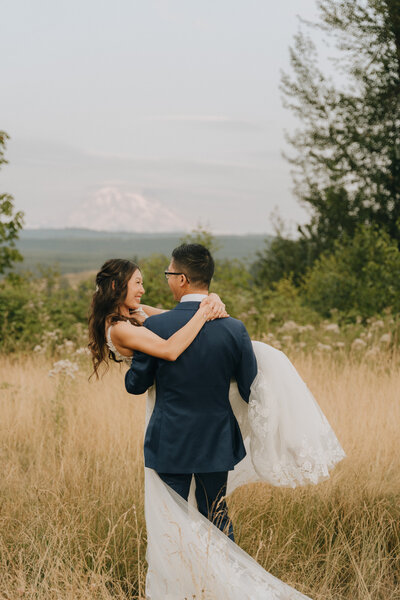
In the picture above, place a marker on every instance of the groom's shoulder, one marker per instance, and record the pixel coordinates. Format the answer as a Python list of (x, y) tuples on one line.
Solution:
[(232, 324), (157, 320)]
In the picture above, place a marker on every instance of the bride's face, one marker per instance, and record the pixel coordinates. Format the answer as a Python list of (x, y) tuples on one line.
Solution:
[(135, 291)]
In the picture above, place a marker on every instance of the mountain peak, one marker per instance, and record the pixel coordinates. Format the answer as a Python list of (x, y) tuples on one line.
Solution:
[(112, 208)]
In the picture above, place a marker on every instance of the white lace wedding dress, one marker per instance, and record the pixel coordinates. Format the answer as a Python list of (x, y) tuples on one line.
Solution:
[(289, 442)]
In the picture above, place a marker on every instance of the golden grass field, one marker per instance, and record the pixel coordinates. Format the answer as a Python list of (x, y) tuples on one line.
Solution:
[(72, 524)]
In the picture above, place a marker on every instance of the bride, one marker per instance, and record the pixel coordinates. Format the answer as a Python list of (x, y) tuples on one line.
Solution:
[(286, 436)]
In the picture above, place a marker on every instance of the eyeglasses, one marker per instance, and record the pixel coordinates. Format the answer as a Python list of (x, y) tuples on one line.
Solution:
[(168, 273)]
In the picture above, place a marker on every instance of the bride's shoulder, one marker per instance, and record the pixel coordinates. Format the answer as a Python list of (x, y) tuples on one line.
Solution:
[(120, 329), (120, 325)]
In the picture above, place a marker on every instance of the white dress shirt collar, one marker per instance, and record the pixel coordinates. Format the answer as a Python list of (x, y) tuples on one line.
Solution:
[(193, 297)]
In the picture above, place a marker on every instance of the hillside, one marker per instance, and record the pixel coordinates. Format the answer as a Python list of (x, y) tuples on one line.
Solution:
[(75, 250)]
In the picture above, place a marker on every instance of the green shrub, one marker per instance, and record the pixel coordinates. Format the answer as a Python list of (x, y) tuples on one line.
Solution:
[(157, 292), (361, 276), (42, 311)]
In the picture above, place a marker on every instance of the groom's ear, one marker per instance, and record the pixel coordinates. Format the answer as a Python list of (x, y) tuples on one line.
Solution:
[(183, 281)]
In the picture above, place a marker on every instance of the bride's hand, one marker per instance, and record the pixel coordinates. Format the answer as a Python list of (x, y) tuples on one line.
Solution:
[(215, 307)]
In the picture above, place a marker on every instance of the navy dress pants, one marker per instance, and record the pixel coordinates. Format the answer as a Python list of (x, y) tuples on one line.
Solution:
[(210, 490)]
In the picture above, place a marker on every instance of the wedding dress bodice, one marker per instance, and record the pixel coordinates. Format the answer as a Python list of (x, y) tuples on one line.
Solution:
[(109, 342)]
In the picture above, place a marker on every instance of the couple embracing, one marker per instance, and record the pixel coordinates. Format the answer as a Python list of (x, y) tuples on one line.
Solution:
[(221, 411)]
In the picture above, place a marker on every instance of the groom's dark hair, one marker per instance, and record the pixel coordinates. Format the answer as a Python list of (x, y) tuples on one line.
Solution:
[(196, 262)]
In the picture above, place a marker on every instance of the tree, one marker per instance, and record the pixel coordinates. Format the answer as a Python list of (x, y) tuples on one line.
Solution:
[(10, 222), (230, 276), (201, 235), (361, 276), (347, 152), (282, 258)]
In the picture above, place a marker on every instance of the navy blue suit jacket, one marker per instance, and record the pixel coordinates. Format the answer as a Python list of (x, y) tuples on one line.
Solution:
[(193, 428)]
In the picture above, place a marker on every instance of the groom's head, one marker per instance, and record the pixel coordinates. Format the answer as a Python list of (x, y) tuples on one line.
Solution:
[(191, 270)]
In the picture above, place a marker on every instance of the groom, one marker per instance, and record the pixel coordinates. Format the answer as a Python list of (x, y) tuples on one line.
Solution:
[(193, 431)]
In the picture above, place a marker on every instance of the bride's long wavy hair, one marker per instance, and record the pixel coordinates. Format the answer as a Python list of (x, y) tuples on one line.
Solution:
[(111, 289)]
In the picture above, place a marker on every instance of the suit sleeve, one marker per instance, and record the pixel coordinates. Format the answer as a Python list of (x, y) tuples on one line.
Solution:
[(247, 367), (141, 373)]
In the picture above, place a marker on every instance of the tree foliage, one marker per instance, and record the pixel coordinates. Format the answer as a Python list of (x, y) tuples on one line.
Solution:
[(282, 258), (201, 235), (347, 152), (10, 221), (361, 276)]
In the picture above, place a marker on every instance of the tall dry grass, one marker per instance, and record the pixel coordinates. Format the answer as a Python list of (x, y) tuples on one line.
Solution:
[(71, 491)]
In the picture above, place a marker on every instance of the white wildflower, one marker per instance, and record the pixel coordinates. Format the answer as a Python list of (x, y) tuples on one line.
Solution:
[(333, 327), (340, 345), (377, 324), (267, 338), (287, 339), (289, 326), (302, 344), (324, 347), (386, 338), (372, 352), (358, 344), (64, 367), (38, 348), (69, 345), (51, 335), (308, 327), (82, 350)]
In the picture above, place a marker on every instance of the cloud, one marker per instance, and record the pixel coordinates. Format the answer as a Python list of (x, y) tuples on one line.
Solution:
[(221, 121)]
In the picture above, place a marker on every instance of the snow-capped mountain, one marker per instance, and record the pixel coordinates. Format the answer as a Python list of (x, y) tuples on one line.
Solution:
[(112, 208)]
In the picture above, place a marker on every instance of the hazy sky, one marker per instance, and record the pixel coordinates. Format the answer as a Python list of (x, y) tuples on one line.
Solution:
[(116, 109)]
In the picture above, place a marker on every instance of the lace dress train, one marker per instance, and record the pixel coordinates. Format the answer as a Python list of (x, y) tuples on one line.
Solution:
[(289, 442)]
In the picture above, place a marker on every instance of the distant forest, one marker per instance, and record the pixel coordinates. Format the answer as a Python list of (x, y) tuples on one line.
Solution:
[(75, 250)]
